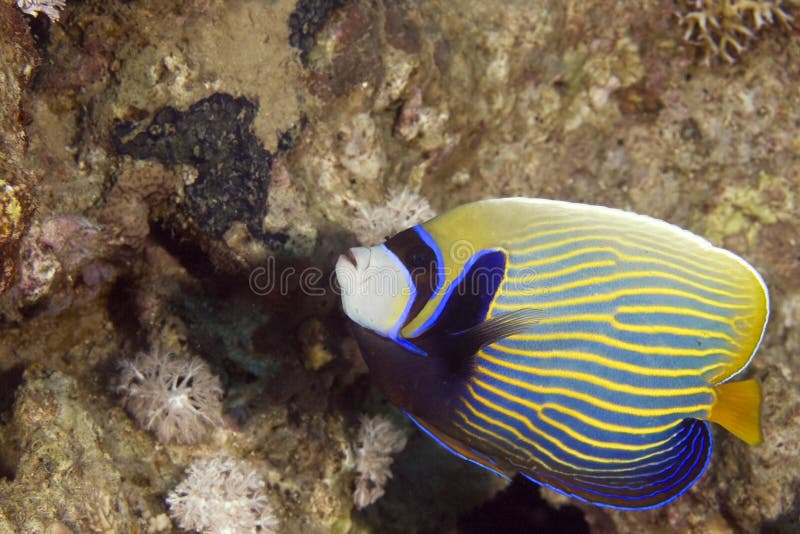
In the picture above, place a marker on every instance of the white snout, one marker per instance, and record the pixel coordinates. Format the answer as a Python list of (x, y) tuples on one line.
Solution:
[(376, 288)]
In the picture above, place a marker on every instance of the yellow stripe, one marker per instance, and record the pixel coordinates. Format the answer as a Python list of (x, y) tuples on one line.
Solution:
[(637, 328), (519, 435), (573, 434), (744, 330), (594, 401), (563, 447), (731, 280), (580, 416), (657, 248), (597, 381), (525, 453), (673, 310), (606, 297), (623, 345), (607, 362), (563, 272), (625, 275)]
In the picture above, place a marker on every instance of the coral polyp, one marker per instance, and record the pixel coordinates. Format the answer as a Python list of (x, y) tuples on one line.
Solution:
[(175, 397), (722, 27)]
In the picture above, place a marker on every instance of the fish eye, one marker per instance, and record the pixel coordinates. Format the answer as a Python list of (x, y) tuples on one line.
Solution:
[(420, 260)]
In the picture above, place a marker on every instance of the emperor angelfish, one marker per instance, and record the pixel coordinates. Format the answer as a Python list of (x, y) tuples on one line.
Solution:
[(586, 348)]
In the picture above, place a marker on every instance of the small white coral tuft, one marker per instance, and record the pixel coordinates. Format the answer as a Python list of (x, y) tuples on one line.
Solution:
[(403, 209), (48, 7), (176, 397), (222, 495), (378, 439)]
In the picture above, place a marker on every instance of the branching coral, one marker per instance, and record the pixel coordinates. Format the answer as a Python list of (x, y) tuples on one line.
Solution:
[(177, 398), (378, 439), (222, 495), (48, 7), (722, 26)]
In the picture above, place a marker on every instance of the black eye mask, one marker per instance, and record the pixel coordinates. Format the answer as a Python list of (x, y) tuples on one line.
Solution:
[(420, 260)]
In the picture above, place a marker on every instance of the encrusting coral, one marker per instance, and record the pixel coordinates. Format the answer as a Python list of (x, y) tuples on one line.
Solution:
[(15, 213), (721, 26), (177, 398), (378, 439), (222, 495)]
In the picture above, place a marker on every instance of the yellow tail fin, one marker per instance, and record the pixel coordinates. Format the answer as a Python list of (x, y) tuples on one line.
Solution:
[(738, 409)]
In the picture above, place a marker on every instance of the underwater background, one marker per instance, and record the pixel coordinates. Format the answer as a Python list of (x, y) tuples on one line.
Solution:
[(178, 178)]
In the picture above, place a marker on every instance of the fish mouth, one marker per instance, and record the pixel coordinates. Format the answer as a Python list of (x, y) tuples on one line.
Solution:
[(357, 258), (350, 257)]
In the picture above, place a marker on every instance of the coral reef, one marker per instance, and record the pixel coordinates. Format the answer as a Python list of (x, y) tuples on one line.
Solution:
[(222, 495), (159, 159), (177, 398), (378, 440)]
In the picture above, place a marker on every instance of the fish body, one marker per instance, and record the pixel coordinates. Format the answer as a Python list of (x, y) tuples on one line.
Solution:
[(584, 347)]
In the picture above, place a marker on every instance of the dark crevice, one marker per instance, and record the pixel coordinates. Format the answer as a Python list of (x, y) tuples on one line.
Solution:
[(10, 380), (520, 508)]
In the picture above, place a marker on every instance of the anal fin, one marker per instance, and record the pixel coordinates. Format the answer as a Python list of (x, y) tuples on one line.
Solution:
[(457, 448), (654, 482)]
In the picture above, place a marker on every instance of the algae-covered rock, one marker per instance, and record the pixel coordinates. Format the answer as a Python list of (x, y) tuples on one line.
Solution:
[(71, 465), (215, 136)]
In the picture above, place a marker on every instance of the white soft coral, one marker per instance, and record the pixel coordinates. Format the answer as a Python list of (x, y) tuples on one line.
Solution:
[(178, 398), (378, 439), (403, 208), (48, 7), (222, 495)]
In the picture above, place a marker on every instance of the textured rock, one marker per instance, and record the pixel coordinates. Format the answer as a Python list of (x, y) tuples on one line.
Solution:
[(15, 213), (17, 57), (70, 469)]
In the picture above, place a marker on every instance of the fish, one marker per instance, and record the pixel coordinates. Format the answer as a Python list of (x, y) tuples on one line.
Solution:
[(586, 348)]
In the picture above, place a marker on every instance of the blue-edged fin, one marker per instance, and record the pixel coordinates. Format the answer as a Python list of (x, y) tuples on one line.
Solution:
[(457, 448), (648, 486), (738, 410)]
